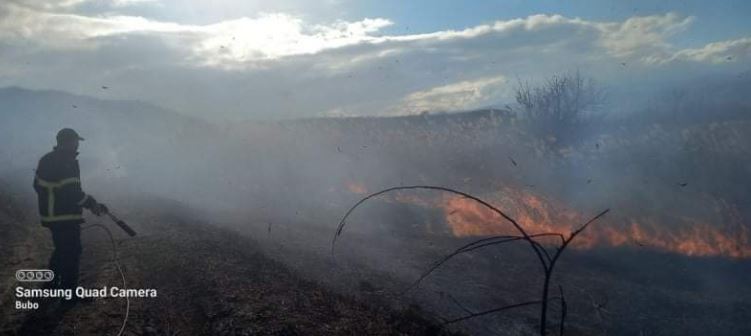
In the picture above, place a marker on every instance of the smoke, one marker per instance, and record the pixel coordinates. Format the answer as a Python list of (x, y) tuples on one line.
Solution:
[(679, 156), (675, 171)]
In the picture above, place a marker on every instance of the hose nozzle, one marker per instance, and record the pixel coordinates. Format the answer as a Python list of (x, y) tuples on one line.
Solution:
[(121, 224)]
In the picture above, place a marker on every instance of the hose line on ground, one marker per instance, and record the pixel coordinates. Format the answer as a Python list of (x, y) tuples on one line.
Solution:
[(116, 261)]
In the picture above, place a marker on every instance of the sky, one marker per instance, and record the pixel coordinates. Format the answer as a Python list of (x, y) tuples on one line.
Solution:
[(241, 60)]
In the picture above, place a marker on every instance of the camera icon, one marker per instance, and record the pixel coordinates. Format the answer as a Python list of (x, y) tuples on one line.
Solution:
[(35, 275)]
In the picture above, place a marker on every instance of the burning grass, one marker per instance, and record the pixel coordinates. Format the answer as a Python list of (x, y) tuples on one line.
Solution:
[(547, 259), (681, 234), (535, 213)]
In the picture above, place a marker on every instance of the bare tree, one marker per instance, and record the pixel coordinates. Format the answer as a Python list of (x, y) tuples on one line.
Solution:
[(559, 108)]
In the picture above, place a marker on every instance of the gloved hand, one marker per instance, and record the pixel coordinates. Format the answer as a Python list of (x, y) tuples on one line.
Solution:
[(99, 209)]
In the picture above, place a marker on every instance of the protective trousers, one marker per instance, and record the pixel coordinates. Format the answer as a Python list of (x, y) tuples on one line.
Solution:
[(67, 254)]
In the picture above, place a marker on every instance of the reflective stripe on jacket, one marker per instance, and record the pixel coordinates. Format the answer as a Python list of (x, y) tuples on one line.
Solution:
[(58, 186)]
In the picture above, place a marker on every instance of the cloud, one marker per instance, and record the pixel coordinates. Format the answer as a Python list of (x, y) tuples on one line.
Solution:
[(455, 96), (126, 3), (71, 6), (71, 31), (642, 36), (272, 36), (47, 4), (731, 51), (281, 65), (231, 42)]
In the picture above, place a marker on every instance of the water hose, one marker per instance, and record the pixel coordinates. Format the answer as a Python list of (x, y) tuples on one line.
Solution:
[(116, 260)]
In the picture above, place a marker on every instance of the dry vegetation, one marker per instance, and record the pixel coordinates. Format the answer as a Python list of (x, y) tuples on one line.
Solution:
[(210, 281)]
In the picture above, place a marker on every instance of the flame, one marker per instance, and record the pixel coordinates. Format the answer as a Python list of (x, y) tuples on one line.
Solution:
[(694, 238), (413, 199), (357, 188), (536, 214), (469, 218)]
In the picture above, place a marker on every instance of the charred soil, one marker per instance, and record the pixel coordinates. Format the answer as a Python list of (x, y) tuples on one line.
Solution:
[(210, 281)]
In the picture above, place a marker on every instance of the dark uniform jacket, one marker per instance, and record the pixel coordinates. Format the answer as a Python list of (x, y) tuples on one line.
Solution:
[(58, 186)]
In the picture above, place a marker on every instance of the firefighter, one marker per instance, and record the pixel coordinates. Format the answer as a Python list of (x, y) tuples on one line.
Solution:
[(61, 200)]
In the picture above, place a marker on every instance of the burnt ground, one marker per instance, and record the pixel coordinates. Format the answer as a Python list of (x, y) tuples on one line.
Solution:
[(210, 281), (251, 276), (619, 291)]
